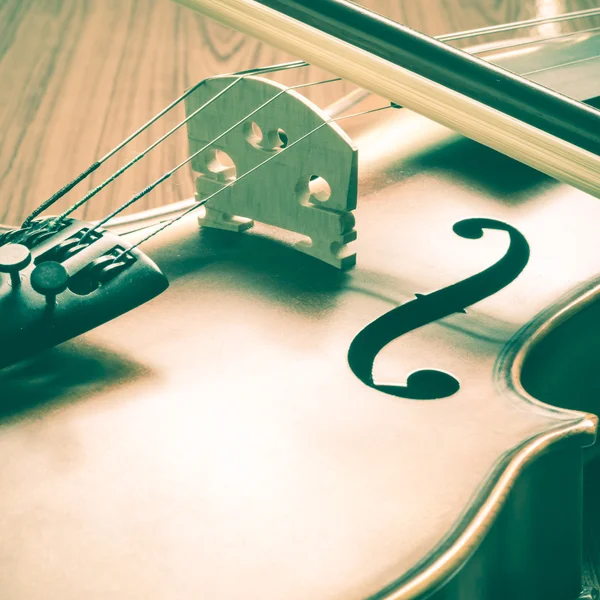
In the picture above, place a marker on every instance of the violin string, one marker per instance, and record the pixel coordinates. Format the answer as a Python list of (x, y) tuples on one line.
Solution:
[(566, 64), (507, 27), (147, 150), (246, 174), (335, 113), (243, 74), (168, 174), (84, 174), (360, 95), (277, 68), (168, 223), (93, 167), (533, 41)]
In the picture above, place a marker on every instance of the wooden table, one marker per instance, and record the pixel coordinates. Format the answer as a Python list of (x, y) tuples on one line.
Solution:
[(78, 76)]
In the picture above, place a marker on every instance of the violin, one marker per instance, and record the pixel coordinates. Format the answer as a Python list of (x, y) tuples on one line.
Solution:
[(344, 399)]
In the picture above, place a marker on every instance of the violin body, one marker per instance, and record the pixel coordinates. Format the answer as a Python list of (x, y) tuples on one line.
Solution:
[(216, 442), (273, 426)]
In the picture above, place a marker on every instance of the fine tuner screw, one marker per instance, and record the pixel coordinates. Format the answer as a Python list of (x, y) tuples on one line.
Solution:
[(13, 259), (49, 279)]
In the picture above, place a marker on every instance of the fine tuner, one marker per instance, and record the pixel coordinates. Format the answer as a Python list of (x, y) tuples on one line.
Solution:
[(13, 259), (49, 278)]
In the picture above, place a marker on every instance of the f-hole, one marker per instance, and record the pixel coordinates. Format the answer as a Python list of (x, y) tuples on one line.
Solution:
[(428, 383)]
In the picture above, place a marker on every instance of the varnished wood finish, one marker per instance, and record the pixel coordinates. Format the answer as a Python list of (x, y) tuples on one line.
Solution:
[(214, 443), (135, 465), (80, 76)]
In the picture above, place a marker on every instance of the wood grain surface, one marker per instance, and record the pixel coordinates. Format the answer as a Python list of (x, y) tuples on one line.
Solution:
[(78, 76)]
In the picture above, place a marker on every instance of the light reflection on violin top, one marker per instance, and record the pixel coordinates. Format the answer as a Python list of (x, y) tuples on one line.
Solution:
[(420, 179), (547, 9)]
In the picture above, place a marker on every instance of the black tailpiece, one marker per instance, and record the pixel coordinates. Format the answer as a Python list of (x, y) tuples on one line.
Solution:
[(57, 282)]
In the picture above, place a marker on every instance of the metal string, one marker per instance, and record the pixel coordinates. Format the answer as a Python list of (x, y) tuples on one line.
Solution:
[(275, 68), (537, 40), (202, 202), (580, 14), (360, 95), (168, 174), (334, 113), (246, 174), (69, 186), (242, 75), (566, 64), (147, 150)]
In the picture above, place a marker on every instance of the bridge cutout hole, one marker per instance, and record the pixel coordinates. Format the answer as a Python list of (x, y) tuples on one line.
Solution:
[(274, 139), (314, 190), (219, 163), (319, 188)]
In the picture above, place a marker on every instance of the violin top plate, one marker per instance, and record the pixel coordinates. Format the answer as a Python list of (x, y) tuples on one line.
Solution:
[(215, 443)]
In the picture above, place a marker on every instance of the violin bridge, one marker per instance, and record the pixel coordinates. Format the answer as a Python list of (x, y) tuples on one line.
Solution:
[(61, 281), (309, 188)]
